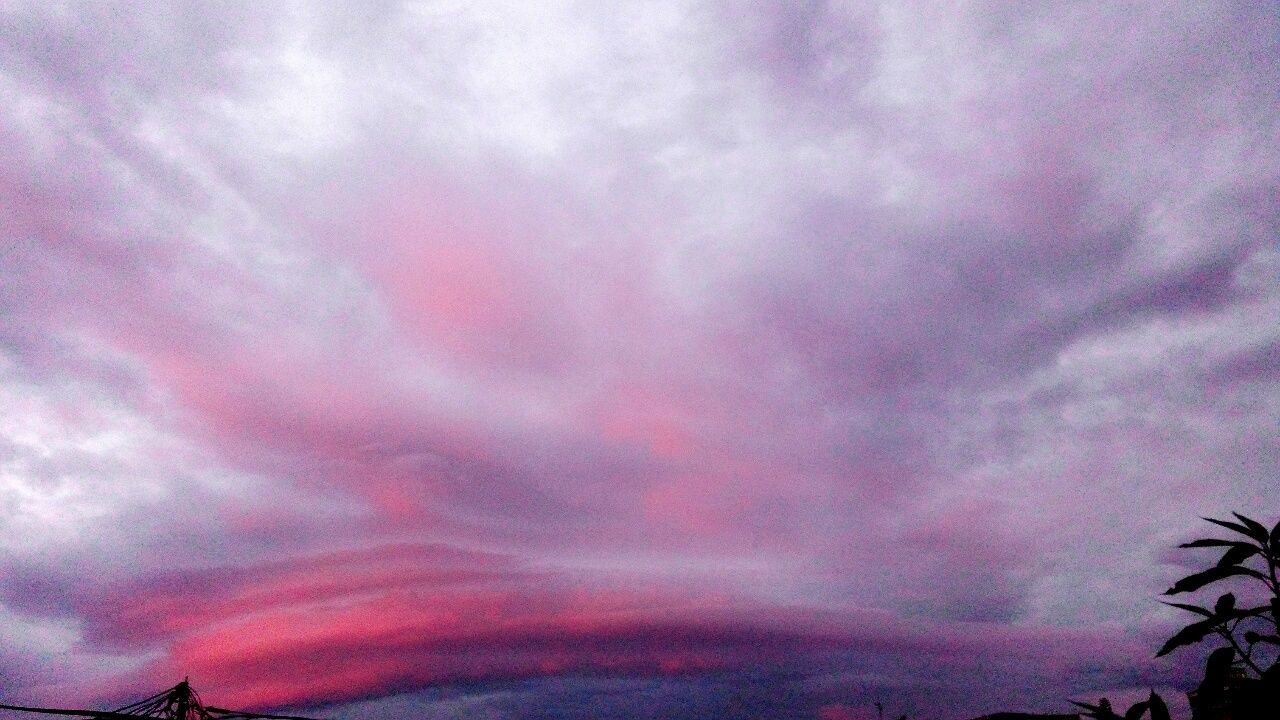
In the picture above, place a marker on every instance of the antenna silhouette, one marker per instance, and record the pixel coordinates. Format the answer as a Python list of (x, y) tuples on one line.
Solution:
[(179, 702)]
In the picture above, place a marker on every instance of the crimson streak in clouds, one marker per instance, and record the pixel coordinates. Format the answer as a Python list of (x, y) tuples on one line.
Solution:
[(660, 360)]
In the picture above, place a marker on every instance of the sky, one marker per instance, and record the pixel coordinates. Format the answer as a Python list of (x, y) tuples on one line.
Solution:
[(621, 360)]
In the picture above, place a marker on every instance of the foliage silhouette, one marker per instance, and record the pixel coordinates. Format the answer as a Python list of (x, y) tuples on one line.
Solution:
[(1239, 682), (1153, 705)]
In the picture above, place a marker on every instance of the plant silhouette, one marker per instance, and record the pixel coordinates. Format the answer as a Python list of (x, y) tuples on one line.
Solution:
[(1153, 705), (1241, 680), (1240, 683)]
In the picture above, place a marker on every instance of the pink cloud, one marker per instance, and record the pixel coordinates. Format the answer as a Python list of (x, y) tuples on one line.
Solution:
[(378, 349), (844, 712)]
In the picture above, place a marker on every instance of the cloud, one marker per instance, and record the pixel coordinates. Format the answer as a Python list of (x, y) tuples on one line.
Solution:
[(403, 347)]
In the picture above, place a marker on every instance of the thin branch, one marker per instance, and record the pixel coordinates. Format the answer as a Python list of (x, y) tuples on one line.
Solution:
[(1239, 651), (1273, 565), (1271, 568)]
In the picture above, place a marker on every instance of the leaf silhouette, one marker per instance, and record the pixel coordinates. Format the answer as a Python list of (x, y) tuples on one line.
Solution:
[(1159, 711), (1190, 608), (1257, 530), (1259, 611), (1238, 554), (1232, 526), (1208, 542), (1099, 711), (1137, 711), (1200, 579), (1189, 635)]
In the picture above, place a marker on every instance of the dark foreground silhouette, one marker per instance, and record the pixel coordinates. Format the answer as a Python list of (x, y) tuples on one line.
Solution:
[(1028, 716), (179, 702), (1241, 679)]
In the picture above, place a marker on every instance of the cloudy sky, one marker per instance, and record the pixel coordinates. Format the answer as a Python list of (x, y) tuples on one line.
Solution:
[(627, 360)]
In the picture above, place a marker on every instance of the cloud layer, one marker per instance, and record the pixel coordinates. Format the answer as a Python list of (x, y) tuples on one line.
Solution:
[(564, 360)]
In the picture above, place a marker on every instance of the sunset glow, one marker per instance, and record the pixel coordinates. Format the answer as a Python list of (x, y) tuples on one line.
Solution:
[(673, 359)]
